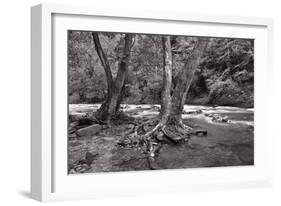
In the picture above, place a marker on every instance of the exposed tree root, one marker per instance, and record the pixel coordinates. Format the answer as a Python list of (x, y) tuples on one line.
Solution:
[(161, 134), (155, 131), (184, 126), (150, 135)]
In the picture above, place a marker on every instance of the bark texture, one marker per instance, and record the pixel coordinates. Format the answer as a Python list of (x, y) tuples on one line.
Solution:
[(170, 123), (167, 80), (184, 80), (110, 107)]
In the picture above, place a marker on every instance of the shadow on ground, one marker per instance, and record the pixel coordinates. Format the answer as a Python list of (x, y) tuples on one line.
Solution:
[(226, 144)]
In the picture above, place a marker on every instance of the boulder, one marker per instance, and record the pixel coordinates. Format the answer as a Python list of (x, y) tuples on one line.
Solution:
[(89, 131)]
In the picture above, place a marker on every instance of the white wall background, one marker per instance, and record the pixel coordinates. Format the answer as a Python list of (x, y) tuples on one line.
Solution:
[(15, 101)]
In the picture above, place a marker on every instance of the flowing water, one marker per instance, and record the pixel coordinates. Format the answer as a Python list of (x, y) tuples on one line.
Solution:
[(228, 143), (234, 114)]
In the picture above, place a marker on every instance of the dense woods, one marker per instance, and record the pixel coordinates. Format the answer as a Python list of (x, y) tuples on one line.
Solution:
[(128, 96), (225, 75)]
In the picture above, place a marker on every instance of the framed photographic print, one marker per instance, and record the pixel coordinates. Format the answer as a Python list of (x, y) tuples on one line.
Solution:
[(138, 102)]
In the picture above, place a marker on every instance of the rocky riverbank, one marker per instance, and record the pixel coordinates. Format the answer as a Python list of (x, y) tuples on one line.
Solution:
[(229, 140)]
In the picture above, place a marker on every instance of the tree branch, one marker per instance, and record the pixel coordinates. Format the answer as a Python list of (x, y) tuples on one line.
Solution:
[(103, 58)]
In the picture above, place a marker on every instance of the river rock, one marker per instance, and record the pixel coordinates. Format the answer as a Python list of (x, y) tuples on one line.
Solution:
[(72, 171), (160, 136), (199, 111), (218, 118), (200, 132), (225, 119), (130, 126), (89, 131), (155, 108), (74, 124), (72, 136), (75, 116), (124, 107), (73, 127), (89, 157)]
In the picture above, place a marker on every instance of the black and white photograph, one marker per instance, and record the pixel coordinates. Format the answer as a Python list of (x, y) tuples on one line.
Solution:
[(139, 103), (153, 102)]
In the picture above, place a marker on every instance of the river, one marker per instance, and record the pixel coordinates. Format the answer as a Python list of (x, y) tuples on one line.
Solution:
[(234, 114)]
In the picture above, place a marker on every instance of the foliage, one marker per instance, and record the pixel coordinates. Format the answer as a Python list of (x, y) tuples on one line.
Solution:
[(225, 75)]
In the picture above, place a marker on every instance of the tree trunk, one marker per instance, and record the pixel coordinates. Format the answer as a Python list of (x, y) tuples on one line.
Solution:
[(184, 80), (167, 80), (104, 61), (170, 124), (111, 105)]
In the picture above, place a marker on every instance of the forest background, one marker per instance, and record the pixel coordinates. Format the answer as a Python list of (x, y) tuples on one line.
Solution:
[(225, 76)]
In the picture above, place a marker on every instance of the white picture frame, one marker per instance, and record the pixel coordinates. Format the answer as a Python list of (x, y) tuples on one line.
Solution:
[(49, 181)]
